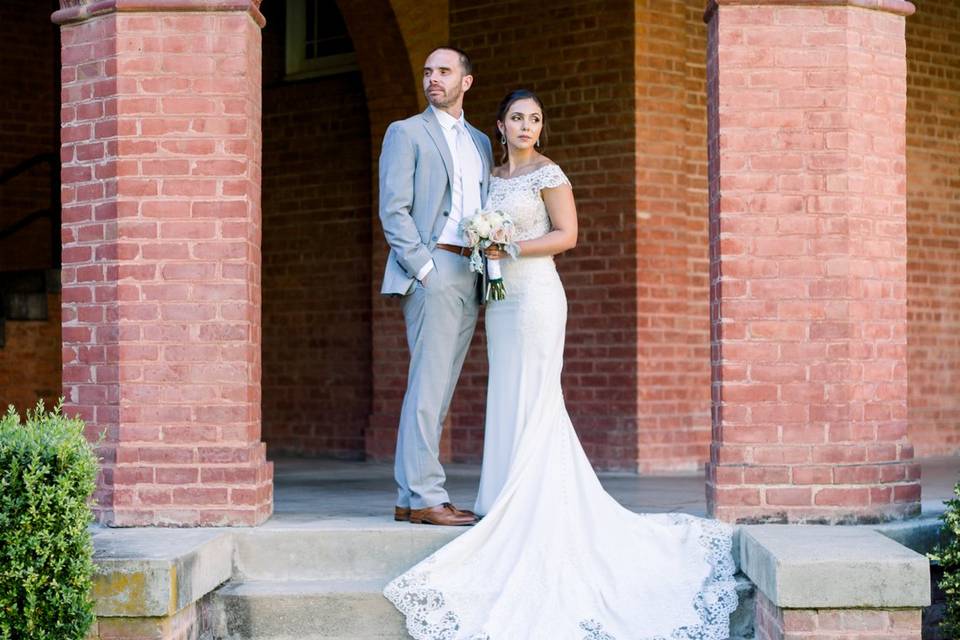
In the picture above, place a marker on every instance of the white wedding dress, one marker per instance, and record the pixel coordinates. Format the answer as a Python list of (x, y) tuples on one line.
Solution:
[(555, 557)]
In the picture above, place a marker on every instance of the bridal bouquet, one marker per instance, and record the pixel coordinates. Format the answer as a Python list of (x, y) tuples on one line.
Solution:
[(483, 230)]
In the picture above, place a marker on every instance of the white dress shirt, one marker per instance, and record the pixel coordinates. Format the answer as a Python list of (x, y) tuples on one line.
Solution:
[(467, 177)]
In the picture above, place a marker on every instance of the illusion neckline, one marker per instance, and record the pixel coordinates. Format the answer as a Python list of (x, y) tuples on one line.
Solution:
[(524, 175)]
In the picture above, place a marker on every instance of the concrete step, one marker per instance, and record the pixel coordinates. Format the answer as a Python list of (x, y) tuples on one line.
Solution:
[(305, 610), (277, 592), (346, 609), (375, 551)]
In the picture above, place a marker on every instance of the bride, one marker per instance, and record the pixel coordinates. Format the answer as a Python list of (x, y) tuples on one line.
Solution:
[(555, 557)]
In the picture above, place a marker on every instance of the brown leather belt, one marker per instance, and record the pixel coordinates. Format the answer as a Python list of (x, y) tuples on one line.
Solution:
[(452, 248)]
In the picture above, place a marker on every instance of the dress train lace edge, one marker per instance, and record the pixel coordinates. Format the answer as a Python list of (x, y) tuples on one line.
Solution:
[(429, 617)]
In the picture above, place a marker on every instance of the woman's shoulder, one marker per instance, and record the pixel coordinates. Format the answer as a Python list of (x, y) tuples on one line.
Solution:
[(550, 175), (542, 165), (543, 162)]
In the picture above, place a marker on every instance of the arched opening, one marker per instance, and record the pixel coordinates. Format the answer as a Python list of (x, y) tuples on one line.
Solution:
[(316, 234)]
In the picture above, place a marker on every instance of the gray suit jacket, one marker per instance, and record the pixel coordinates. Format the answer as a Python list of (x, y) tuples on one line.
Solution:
[(416, 173)]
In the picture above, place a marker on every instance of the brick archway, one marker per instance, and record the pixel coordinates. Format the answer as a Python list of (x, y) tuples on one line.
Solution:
[(383, 58), (161, 232), (391, 38)]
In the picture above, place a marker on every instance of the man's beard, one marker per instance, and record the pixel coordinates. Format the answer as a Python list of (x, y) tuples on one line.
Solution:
[(443, 99)]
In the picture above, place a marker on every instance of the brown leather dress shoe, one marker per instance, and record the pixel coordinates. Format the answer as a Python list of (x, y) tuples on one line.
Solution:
[(442, 514), (466, 512), (401, 514)]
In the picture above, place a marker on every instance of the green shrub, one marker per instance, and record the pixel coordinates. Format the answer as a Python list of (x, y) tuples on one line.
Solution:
[(947, 553), (47, 474)]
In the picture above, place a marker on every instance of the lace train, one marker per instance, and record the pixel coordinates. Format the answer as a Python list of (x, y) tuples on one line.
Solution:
[(429, 617)]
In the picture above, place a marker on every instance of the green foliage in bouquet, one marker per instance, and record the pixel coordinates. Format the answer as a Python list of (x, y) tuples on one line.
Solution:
[(47, 474), (947, 553)]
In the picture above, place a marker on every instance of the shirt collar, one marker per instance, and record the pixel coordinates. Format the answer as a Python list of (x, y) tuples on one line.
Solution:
[(446, 120)]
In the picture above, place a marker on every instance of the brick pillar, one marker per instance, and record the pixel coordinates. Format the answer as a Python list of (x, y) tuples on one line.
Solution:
[(775, 623), (161, 255), (806, 110)]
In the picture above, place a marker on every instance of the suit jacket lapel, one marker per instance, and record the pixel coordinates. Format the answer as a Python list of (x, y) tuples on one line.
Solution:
[(478, 141), (436, 133)]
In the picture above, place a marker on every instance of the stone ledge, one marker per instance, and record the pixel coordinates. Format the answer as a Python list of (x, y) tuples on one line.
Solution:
[(80, 10), (897, 7), (822, 566), (145, 572)]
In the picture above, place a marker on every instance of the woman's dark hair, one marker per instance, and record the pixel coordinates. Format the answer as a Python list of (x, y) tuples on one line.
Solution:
[(505, 104)]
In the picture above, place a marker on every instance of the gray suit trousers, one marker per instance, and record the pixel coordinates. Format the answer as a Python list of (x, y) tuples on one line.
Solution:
[(440, 317)]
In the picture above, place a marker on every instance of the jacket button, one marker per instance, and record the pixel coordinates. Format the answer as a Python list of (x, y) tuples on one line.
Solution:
[(434, 238), (446, 213)]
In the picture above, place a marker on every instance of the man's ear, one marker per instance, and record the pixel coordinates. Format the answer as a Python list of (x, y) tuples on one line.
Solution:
[(467, 82)]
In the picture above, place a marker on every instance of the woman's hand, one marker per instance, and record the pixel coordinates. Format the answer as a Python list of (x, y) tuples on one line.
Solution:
[(494, 252)]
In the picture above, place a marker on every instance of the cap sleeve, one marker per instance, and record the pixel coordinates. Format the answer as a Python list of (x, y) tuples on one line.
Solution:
[(551, 176)]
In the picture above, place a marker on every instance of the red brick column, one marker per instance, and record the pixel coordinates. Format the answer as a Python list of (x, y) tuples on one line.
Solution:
[(774, 623), (161, 255), (806, 109)]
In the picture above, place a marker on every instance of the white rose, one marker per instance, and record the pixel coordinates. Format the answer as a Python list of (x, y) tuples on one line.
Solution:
[(481, 226)]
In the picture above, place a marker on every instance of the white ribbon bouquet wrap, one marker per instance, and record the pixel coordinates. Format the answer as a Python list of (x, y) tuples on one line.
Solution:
[(483, 230)]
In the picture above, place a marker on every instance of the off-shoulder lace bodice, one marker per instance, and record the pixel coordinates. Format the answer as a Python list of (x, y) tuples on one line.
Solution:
[(520, 198)]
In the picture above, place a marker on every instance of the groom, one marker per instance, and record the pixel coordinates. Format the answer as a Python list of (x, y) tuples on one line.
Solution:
[(434, 171)]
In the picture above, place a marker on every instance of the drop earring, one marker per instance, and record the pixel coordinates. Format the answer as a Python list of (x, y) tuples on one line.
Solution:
[(503, 139), (537, 143)]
